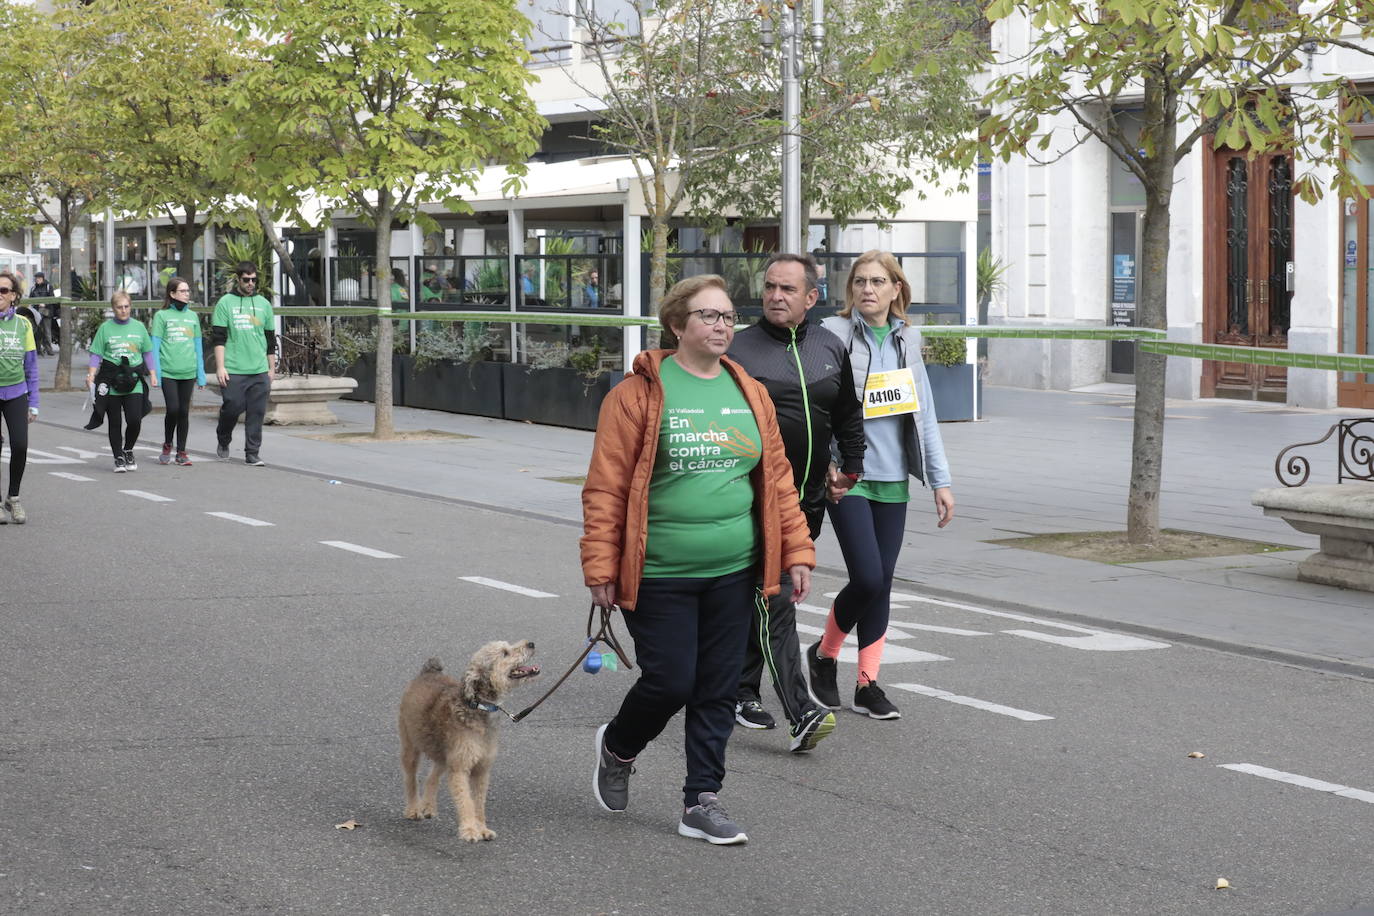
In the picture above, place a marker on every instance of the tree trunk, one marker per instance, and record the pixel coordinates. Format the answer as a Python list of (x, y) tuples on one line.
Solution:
[(269, 232), (383, 426), (187, 233), (1147, 442), (70, 215)]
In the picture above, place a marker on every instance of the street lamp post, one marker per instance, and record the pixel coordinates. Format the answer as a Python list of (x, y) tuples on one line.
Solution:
[(789, 31)]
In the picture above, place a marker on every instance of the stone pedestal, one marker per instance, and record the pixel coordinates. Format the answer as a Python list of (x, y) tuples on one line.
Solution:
[(301, 400), (1342, 515)]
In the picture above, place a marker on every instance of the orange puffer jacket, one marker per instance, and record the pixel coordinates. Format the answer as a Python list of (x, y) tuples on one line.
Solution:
[(615, 499)]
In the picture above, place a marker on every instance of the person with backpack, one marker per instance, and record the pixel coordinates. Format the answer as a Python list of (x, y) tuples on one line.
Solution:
[(119, 377), (18, 390)]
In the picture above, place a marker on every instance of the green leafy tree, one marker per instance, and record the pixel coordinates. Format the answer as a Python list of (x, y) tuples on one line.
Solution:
[(1221, 73), (380, 107), (57, 162), (676, 97), (882, 103), (161, 94)]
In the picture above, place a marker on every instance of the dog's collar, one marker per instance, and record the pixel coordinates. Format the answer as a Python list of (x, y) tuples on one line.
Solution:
[(484, 706)]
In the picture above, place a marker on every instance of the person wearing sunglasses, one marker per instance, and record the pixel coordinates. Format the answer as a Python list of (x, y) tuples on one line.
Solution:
[(904, 441), (688, 502), (120, 372), (181, 364), (243, 334), (18, 391)]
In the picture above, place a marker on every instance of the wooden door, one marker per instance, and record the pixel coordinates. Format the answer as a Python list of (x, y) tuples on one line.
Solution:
[(1249, 270)]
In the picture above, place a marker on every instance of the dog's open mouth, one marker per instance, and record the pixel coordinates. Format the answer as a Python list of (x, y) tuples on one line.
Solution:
[(522, 671)]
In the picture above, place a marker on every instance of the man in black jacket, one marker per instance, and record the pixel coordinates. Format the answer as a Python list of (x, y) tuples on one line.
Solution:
[(806, 371), (42, 289)]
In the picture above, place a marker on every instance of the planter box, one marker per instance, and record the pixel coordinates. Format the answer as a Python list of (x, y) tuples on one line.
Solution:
[(470, 388), (364, 372), (555, 397), (952, 387)]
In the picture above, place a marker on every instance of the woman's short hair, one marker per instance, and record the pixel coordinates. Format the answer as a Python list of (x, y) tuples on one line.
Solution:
[(173, 284), (15, 284), (675, 305), (887, 262), (118, 295)]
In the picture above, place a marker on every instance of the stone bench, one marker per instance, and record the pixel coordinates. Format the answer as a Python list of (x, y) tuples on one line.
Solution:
[(1342, 515), (301, 400)]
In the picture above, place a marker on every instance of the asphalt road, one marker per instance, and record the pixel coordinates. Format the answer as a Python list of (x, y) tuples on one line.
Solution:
[(193, 702)]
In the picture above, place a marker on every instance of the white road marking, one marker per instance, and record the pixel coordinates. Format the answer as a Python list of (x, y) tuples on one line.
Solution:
[(984, 705), (39, 457), (151, 497), (506, 586), (67, 475), (893, 653), (365, 551), (1090, 640), (951, 631), (80, 452), (1293, 779), (242, 519)]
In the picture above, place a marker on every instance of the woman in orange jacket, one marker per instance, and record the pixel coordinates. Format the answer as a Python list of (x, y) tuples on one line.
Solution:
[(688, 507)]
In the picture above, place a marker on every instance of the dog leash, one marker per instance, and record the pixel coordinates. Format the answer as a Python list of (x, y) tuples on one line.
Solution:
[(604, 635)]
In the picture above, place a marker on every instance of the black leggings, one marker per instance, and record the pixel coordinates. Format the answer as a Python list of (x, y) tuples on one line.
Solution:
[(16, 414), (176, 394), (870, 535), (131, 406)]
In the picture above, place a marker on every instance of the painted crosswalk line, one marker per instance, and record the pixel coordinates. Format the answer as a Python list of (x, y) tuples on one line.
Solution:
[(151, 497), (507, 586), (242, 519), (365, 551), (1305, 782), (986, 706), (67, 475)]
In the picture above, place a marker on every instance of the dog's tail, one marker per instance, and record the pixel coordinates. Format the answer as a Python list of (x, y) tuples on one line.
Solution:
[(432, 666)]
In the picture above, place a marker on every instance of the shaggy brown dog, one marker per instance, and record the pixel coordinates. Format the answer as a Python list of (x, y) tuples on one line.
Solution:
[(451, 723)]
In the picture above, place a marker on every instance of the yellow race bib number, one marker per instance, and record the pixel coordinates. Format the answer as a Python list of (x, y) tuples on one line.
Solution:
[(890, 393)]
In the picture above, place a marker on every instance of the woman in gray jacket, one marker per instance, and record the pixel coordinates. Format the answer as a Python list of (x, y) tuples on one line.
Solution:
[(903, 440)]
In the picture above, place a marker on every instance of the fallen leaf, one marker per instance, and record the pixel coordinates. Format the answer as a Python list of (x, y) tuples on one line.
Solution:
[(1222, 884), (1197, 755), (524, 470), (349, 824)]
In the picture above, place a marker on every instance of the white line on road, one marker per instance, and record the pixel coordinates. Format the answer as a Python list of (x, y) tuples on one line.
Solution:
[(951, 631), (506, 586), (80, 452), (40, 457), (242, 519), (1090, 640), (365, 551), (998, 708), (893, 654), (151, 497), (1293, 779), (68, 476)]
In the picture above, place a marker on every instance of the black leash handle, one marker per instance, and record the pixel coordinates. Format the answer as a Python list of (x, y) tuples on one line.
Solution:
[(606, 634)]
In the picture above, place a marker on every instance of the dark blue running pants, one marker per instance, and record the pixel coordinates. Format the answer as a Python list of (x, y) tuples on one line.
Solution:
[(870, 536)]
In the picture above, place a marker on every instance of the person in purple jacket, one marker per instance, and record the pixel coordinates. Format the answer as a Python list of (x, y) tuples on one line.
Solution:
[(18, 390)]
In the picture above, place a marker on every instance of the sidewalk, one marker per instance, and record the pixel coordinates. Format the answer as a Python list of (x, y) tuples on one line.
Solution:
[(1039, 462)]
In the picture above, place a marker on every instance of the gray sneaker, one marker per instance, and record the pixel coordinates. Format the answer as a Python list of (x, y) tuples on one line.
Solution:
[(16, 511), (130, 462), (222, 452), (253, 461), (708, 821), (611, 781)]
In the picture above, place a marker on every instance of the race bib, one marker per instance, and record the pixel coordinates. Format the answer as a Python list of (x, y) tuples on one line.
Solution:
[(890, 393)]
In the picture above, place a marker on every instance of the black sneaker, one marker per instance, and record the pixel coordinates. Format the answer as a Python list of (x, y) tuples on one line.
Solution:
[(119, 464), (708, 821), (815, 724), (611, 781), (222, 452), (253, 461), (872, 702), (751, 714), (822, 671), (130, 462)]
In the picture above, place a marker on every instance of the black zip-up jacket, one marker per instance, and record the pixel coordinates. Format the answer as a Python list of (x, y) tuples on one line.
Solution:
[(806, 371)]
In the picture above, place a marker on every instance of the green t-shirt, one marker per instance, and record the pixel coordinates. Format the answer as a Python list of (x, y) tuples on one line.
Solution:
[(701, 501), (247, 319), (16, 339), (179, 329), (114, 340), (882, 491)]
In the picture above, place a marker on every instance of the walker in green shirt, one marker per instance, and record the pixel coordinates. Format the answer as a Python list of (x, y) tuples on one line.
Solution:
[(114, 340), (178, 329), (247, 319), (16, 339)]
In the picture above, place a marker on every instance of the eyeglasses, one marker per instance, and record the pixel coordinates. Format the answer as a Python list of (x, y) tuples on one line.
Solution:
[(875, 282), (6, 289), (248, 279), (712, 317)]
